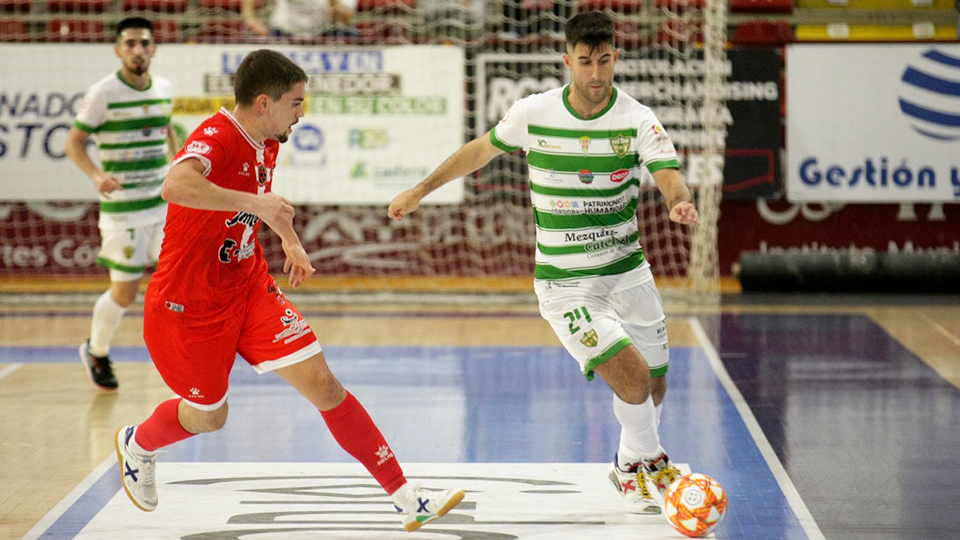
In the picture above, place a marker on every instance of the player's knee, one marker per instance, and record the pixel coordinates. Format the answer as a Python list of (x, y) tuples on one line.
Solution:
[(206, 421), (658, 389)]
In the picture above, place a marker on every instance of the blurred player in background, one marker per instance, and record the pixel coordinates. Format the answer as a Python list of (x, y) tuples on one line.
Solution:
[(585, 143), (212, 297), (303, 18), (129, 113)]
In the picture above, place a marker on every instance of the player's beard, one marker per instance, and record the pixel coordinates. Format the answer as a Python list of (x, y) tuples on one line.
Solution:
[(588, 93), (139, 69), (282, 138)]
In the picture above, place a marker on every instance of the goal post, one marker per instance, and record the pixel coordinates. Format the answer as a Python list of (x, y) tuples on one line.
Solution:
[(386, 104)]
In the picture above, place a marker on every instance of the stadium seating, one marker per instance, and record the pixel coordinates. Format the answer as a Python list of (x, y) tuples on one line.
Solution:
[(14, 6), (159, 6), (14, 30), (751, 23), (617, 6), (680, 31), (79, 6), (75, 30), (762, 33), (216, 29), (227, 5), (167, 31), (761, 6), (384, 32)]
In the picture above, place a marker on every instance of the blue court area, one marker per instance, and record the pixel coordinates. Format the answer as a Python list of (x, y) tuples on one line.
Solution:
[(480, 405)]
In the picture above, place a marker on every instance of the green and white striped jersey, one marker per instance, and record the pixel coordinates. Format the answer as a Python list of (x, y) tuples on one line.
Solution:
[(585, 180), (130, 127)]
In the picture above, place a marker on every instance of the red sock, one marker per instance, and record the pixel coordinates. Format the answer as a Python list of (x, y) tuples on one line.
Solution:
[(162, 428), (356, 433)]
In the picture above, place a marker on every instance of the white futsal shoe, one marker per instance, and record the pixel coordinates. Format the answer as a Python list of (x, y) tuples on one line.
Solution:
[(136, 471), (423, 506), (634, 488), (661, 472)]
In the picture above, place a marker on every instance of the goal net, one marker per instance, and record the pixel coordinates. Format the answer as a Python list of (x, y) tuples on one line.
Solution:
[(391, 95)]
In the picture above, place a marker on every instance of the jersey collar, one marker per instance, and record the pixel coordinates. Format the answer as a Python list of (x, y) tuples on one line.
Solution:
[(240, 128), (566, 103)]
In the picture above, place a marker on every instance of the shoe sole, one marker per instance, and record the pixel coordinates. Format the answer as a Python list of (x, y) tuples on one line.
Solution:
[(89, 370), (451, 504), (648, 511), (116, 443)]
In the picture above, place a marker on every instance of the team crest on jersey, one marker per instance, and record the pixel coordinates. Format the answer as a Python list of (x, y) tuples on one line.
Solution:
[(128, 251), (620, 145), (262, 175), (589, 338), (585, 144)]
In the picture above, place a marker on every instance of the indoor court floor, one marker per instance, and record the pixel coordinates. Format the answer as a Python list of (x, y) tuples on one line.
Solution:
[(824, 417)]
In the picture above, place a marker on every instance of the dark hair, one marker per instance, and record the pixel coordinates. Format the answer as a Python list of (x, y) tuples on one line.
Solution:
[(265, 72), (134, 22), (592, 28)]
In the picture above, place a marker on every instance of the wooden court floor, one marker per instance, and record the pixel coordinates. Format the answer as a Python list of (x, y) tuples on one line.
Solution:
[(55, 428)]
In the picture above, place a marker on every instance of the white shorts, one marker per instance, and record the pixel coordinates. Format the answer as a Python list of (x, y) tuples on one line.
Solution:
[(128, 252), (593, 327)]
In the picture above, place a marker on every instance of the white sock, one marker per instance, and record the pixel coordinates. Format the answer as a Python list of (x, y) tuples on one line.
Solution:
[(401, 495), (106, 319), (659, 409), (638, 431)]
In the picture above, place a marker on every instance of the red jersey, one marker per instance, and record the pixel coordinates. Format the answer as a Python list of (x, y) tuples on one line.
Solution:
[(210, 258)]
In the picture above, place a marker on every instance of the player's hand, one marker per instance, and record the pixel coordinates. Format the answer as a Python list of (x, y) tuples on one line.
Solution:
[(685, 212), (257, 27), (106, 183), (403, 204), (297, 263), (276, 212)]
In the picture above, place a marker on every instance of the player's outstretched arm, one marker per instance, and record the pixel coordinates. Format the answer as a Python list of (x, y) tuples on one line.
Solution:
[(249, 14), (470, 157), (679, 200)]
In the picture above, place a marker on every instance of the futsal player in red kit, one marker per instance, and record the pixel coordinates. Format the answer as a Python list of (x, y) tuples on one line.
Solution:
[(211, 297)]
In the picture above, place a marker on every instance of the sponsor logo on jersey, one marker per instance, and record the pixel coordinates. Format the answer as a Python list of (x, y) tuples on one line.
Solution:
[(544, 144), (585, 144), (210, 131), (619, 176), (585, 176), (198, 147), (246, 170), (620, 145), (231, 249), (294, 327)]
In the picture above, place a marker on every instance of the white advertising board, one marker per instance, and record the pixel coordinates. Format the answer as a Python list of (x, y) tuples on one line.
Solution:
[(873, 123), (378, 119)]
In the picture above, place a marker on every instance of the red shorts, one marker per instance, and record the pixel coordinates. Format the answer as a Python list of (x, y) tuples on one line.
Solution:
[(194, 355)]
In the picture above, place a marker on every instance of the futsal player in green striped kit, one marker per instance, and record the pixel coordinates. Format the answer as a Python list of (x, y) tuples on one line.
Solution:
[(585, 144), (128, 112)]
